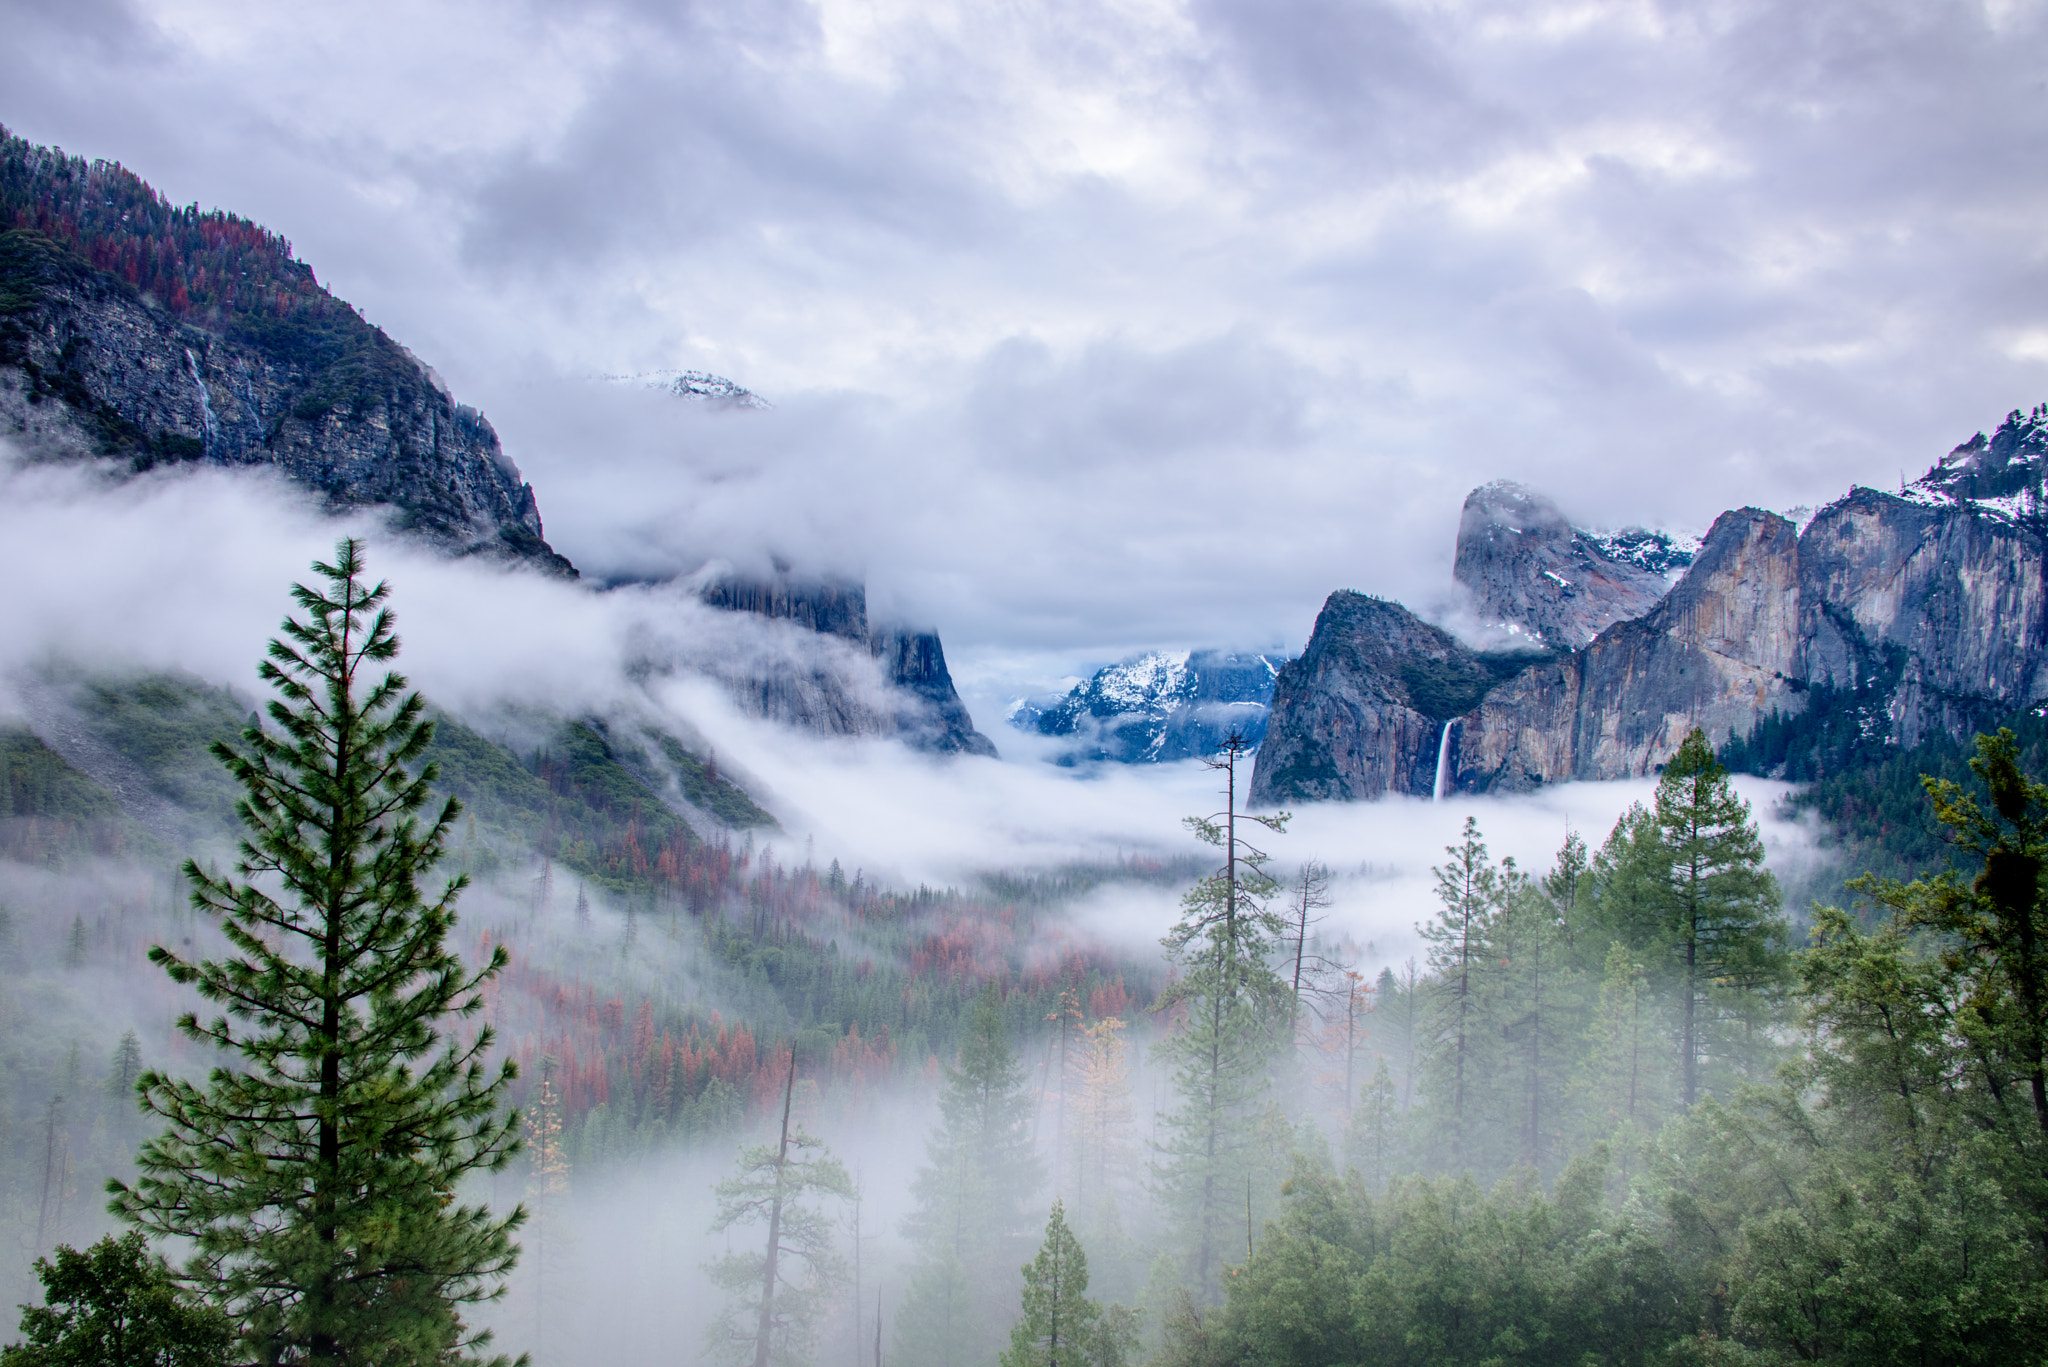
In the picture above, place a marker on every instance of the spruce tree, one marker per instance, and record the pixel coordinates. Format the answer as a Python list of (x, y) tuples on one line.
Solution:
[(316, 1171), (1471, 892), (1059, 1326), (1723, 921), (969, 1227), (1233, 1011)]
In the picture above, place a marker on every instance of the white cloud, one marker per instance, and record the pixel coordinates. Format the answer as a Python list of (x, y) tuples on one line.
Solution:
[(1145, 322)]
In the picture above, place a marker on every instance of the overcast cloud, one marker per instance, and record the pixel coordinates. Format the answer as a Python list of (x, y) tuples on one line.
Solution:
[(1099, 326)]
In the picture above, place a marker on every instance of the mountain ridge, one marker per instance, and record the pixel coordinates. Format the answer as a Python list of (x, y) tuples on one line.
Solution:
[(1926, 611)]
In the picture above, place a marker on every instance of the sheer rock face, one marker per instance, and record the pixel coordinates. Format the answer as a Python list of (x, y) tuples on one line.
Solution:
[(1720, 651), (88, 367), (1531, 571), (1361, 712), (840, 674), (1940, 602), (1934, 603)]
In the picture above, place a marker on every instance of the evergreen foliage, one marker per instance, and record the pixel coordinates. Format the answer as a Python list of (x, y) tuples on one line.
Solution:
[(969, 1225), (49, 810), (1721, 913), (774, 1297), (1060, 1326), (317, 1180), (1231, 1011)]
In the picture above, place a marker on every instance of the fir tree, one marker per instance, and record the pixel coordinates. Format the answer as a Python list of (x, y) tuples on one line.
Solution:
[(1233, 1010), (1372, 1141), (1102, 1133), (1059, 1326), (969, 1227), (1723, 921), (547, 1191), (315, 1175), (125, 1067), (1470, 891)]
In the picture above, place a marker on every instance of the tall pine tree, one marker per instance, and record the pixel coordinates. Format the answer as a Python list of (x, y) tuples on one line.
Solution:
[(1059, 1326), (1723, 921), (1232, 1009), (969, 1227), (315, 1171)]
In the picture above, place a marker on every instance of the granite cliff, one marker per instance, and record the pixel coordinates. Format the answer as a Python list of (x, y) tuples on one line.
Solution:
[(1532, 573), (107, 351), (1921, 613), (1362, 711), (827, 684)]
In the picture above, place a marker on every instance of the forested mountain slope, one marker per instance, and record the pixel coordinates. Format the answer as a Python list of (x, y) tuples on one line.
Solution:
[(133, 328)]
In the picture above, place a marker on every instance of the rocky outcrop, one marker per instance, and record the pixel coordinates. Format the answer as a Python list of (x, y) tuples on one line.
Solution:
[(1723, 649), (1362, 711), (90, 366), (1530, 571), (845, 676), (1912, 615), (1160, 707)]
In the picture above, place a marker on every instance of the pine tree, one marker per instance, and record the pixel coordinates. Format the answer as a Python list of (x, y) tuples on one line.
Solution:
[(1233, 1014), (125, 1067), (1622, 1090), (315, 1174), (1372, 1141), (1470, 890), (775, 1296), (547, 1191), (1724, 920), (1059, 1326), (969, 1227), (1102, 1131)]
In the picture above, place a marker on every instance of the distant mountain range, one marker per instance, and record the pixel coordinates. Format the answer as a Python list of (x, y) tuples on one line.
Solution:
[(1158, 707)]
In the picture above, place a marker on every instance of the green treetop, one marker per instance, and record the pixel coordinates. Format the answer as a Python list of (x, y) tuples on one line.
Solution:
[(1723, 918), (315, 1173), (1060, 1326), (1232, 1010)]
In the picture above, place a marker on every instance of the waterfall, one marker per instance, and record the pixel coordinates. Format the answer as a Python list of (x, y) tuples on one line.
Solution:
[(1443, 761)]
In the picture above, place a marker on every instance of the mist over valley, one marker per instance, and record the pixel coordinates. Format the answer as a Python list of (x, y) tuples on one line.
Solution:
[(1237, 688)]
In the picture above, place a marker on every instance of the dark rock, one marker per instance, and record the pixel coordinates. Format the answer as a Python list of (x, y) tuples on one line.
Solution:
[(1362, 712), (91, 367), (857, 678), (1530, 570)]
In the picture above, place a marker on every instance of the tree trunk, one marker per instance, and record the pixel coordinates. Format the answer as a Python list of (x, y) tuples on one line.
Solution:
[(765, 1333)]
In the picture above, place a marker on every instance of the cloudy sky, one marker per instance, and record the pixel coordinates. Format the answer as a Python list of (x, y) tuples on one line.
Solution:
[(1139, 322)]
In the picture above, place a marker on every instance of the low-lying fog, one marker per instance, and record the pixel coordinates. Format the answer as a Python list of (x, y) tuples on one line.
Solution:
[(190, 572)]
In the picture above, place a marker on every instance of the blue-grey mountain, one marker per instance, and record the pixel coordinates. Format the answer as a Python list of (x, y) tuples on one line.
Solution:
[(1160, 706)]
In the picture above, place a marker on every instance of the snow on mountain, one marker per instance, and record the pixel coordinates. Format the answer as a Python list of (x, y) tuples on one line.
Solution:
[(1158, 707)]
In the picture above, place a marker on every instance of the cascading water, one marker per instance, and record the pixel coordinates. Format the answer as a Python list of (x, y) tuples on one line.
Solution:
[(1443, 762)]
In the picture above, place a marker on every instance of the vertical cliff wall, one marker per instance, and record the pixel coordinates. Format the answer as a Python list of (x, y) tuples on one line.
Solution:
[(1930, 605), (90, 366), (1530, 571), (1361, 712), (856, 678), (1719, 651)]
